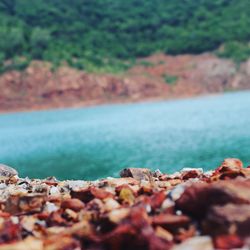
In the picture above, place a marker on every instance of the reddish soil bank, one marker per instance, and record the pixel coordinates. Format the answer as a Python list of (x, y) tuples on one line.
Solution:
[(143, 210), (156, 77)]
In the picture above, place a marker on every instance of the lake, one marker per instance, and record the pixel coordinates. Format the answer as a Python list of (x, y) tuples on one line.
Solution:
[(95, 142)]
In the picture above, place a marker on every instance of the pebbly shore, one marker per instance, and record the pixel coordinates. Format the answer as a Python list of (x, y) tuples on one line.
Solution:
[(188, 210)]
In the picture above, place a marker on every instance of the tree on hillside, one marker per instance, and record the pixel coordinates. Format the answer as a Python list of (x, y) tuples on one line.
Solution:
[(8, 6)]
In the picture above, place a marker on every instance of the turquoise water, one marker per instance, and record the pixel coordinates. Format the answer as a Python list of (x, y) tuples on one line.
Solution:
[(94, 142)]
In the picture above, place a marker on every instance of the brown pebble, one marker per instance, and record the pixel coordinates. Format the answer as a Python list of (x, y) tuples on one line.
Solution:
[(6, 171)]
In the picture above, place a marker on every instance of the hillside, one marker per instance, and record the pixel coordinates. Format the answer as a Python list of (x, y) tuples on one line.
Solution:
[(83, 52), (108, 35), (156, 77)]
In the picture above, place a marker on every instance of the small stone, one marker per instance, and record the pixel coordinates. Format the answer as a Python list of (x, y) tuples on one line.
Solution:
[(196, 243), (111, 204), (232, 163), (7, 172), (176, 193), (171, 221), (126, 196), (163, 233), (50, 207), (230, 169), (54, 191), (199, 197), (157, 173), (229, 242), (75, 184), (3, 185), (73, 204), (137, 173), (118, 215), (191, 173), (229, 219), (27, 203), (70, 214), (167, 203)]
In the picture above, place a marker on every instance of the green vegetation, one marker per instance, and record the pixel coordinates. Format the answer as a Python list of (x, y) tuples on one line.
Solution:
[(108, 35), (146, 64), (237, 51), (170, 79)]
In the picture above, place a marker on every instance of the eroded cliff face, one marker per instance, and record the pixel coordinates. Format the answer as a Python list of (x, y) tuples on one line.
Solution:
[(161, 76)]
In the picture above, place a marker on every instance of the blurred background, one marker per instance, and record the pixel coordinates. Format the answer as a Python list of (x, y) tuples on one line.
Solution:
[(88, 87)]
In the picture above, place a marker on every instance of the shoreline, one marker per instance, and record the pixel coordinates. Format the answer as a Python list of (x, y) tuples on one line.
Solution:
[(38, 88), (95, 104), (190, 209)]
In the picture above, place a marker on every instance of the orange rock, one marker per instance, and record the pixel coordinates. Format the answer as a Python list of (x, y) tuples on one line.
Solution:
[(228, 242), (74, 204)]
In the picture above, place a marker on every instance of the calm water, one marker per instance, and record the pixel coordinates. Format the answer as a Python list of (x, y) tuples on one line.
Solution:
[(94, 142)]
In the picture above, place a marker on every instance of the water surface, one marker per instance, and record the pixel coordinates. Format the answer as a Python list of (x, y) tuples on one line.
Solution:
[(95, 142)]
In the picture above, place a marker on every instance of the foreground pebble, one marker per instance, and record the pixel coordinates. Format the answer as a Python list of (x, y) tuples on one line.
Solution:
[(7, 172), (141, 210)]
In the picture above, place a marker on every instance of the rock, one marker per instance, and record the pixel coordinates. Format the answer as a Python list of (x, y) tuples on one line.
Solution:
[(30, 243), (7, 172), (73, 204), (76, 184), (229, 242), (137, 173), (157, 173), (176, 192), (54, 191), (126, 213), (28, 203), (171, 222), (111, 204), (118, 215), (88, 194), (167, 204), (65, 242), (228, 219), (190, 173), (70, 214), (199, 197), (196, 243), (28, 223), (232, 163), (163, 233), (126, 196), (157, 199), (9, 232), (230, 169), (50, 207)]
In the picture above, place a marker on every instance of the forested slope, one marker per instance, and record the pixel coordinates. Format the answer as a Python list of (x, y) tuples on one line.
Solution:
[(91, 34)]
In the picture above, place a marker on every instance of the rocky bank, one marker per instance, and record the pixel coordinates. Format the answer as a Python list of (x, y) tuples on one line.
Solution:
[(156, 77), (188, 210)]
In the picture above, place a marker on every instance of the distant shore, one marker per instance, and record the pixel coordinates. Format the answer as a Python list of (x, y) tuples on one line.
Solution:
[(162, 78), (114, 102)]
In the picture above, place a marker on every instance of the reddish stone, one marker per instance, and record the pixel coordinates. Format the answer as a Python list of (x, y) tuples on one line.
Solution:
[(89, 194), (228, 242), (137, 173), (74, 204), (9, 232), (171, 221), (228, 219), (190, 174), (157, 199), (230, 169), (198, 197), (28, 203), (56, 219)]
